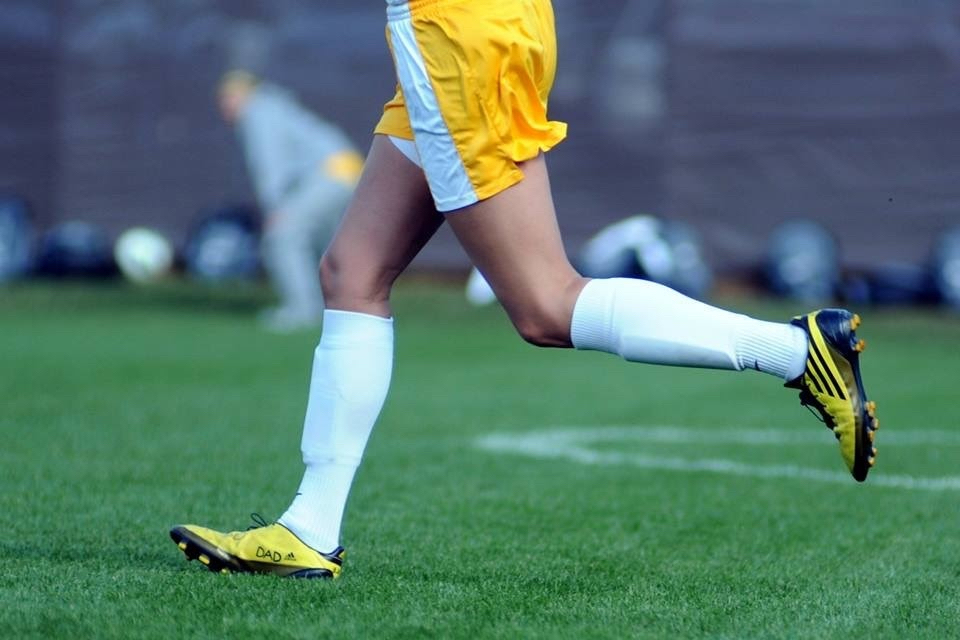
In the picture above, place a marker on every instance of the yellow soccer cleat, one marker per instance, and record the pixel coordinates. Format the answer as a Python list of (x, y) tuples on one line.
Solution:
[(263, 549), (831, 384)]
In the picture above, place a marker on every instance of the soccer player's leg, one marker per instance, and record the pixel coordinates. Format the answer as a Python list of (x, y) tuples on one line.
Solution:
[(389, 220), (512, 237), (514, 240)]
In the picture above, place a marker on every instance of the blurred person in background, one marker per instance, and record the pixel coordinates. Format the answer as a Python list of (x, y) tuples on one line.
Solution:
[(462, 142), (304, 170)]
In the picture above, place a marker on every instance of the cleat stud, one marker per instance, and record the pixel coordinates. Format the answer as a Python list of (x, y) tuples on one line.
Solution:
[(204, 559), (224, 570), (876, 423), (182, 546), (871, 435), (855, 321), (860, 346), (871, 461), (873, 452), (871, 406)]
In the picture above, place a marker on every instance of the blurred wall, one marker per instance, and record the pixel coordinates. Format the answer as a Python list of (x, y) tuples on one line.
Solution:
[(29, 132), (846, 112), (730, 114)]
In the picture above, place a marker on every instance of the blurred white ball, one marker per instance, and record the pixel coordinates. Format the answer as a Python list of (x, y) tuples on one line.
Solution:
[(143, 255), (479, 292)]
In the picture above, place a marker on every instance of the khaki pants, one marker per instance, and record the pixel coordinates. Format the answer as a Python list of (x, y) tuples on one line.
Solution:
[(292, 245)]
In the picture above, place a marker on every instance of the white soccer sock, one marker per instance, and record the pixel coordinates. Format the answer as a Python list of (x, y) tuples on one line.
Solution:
[(351, 375), (647, 322)]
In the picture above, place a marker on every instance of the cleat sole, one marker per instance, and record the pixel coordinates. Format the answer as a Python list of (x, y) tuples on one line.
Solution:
[(194, 551), (312, 574), (868, 416)]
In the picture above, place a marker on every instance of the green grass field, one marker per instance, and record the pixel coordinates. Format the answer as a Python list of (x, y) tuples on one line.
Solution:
[(666, 503)]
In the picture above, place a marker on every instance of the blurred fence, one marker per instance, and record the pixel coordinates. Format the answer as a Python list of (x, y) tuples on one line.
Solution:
[(732, 115)]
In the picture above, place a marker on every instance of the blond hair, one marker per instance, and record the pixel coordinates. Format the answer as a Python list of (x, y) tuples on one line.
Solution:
[(238, 81)]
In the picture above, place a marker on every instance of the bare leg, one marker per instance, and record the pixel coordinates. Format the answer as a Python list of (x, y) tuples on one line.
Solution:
[(514, 240), (389, 220)]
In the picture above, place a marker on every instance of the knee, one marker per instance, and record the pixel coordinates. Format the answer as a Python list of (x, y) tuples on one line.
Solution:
[(330, 276), (542, 314), (543, 323), (345, 284)]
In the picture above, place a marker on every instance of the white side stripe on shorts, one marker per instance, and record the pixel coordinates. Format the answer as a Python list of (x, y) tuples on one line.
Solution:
[(446, 174)]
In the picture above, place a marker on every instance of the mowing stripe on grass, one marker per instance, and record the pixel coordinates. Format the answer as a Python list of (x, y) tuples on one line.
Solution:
[(573, 444)]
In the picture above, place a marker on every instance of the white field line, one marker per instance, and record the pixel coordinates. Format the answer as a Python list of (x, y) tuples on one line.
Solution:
[(573, 444)]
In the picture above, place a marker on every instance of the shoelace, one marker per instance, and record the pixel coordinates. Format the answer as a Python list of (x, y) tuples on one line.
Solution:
[(258, 521), (810, 402), (807, 400)]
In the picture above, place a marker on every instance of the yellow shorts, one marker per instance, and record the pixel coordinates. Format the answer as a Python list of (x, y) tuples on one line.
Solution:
[(474, 79)]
